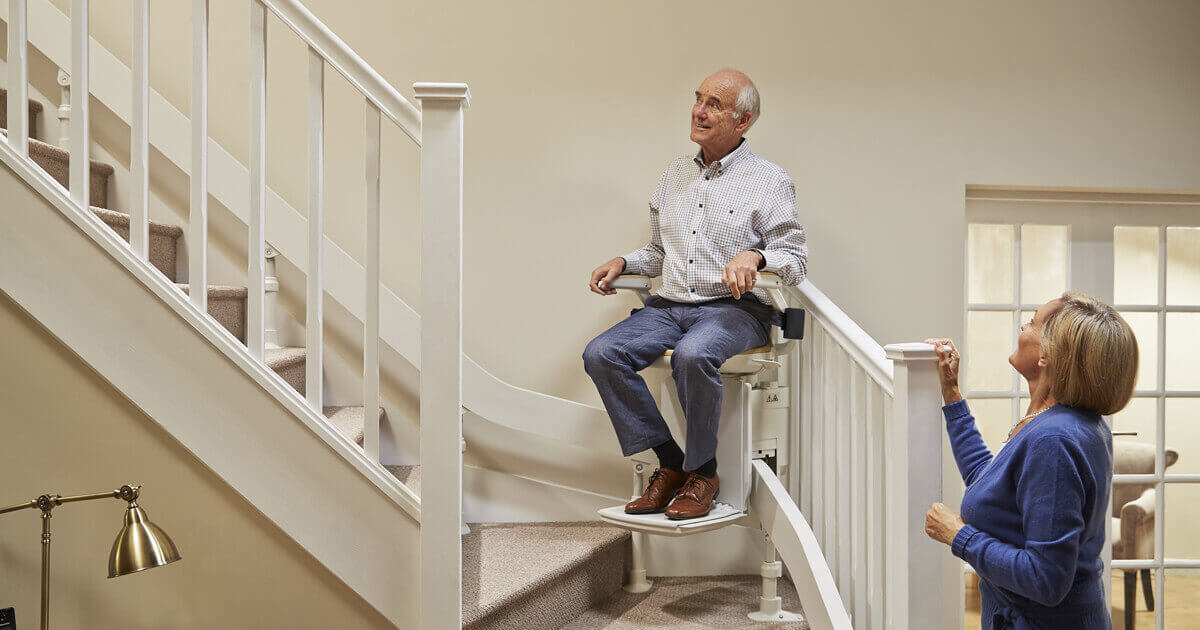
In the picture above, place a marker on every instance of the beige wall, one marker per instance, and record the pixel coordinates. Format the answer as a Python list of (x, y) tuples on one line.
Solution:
[(882, 112), (66, 430)]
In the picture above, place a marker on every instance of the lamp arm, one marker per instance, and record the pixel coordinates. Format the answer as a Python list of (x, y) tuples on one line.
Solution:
[(48, 502)]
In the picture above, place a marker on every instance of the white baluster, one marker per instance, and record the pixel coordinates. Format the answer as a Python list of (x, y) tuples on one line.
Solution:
[(79, 167), (829, 453), (18, 77), (316, 172), (371, 310), (919, 592), (256, 259), (64, 110), (441, 350), (139, 133), (198, 208), (270, 300), (878, 411), (858, 495), (844, 477)]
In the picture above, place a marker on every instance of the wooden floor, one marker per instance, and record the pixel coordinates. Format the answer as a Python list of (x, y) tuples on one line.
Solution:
[(1182, 611)]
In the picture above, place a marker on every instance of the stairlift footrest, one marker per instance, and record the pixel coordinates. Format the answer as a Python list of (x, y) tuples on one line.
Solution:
[(722, 514)]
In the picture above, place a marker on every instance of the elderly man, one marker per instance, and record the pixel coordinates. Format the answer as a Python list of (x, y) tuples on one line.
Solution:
[(716, 219)]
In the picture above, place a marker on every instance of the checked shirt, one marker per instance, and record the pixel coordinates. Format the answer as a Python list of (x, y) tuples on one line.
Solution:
[(701, 216)]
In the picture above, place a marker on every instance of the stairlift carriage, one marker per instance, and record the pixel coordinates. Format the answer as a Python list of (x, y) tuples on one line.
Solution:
[(753, 425)]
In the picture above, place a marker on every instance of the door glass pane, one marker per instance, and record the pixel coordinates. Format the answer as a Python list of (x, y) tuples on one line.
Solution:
[(1145, 329), (1139, 416), (1183, 434), (1183, 351), (1183, 512), (1183, 265), (1181, 590), (1026, 317), (989, 344), (1043, 262), (990, 263), (993, 417), (1135, 265)]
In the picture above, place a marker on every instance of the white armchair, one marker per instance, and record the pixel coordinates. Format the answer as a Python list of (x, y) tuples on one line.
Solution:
[(1133, 517)]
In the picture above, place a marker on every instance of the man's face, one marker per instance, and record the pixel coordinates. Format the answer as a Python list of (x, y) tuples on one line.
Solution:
[(713, 122)]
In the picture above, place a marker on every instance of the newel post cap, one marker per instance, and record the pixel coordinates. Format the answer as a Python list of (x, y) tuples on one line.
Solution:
[(917, 351), (443, 92)]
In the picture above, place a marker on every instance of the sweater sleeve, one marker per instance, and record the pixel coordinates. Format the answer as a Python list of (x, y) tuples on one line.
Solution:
[(970, 452), (1051, 496)]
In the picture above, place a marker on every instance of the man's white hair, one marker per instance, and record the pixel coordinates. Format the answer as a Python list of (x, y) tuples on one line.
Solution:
[(747, 101)]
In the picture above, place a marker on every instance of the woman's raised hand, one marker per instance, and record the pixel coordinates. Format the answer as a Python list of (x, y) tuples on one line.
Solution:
[(947, 368)]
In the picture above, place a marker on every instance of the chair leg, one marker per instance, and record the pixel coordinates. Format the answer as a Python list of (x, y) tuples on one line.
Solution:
[(1130, 597), (1148, 589)]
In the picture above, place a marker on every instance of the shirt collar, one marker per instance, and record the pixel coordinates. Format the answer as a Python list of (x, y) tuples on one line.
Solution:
[(723, 164)]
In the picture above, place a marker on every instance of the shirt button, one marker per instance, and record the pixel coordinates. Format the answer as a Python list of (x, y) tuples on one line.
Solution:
[(693, 231), (690, 261), (701, 205), (706, 178)]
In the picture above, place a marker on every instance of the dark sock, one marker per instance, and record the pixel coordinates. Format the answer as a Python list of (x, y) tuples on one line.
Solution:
[(707, 469), (669, 455)]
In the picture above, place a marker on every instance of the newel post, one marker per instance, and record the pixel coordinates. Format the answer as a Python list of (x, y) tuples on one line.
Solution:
[(922, 586), (442, 106)]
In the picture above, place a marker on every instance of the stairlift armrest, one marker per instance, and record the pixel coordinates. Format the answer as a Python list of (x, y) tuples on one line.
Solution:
[(633, 282)]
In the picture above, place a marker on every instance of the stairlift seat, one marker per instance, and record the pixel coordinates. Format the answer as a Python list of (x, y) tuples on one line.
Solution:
[(747, 362)]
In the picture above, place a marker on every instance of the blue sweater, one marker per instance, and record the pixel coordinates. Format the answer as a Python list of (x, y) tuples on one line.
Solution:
[(1035, 514)]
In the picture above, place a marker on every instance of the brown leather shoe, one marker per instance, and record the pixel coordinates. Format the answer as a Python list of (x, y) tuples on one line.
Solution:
[(664, 482), (695, 498)]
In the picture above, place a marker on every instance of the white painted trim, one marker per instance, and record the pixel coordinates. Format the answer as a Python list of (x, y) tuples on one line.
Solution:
[(256, 254), (198, 200), (341, 58), (216, 334), (850, 336), (314, 321), (80, 166), (18, 76), (782, 521), (139, 136), (371, 287)]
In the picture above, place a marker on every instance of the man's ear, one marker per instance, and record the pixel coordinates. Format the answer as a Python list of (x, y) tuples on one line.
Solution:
[(744, 122)]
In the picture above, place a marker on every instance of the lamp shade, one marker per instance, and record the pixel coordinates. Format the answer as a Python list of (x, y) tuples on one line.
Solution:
[(140, 545)]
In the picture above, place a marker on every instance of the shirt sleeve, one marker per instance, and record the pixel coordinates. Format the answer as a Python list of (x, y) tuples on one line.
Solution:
[(970, 452), (648, 260), (785, 246), (1050, 495)]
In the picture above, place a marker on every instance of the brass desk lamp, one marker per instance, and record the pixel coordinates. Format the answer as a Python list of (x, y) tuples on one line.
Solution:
[(140, 544)]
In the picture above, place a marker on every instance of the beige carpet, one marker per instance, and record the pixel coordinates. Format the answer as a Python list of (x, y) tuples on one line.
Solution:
[(538, 576), (691, 603)]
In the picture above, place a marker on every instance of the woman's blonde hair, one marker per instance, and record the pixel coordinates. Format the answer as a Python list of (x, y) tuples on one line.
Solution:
[(1091, 353)]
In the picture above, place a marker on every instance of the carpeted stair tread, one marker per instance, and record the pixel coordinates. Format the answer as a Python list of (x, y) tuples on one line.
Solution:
[(407, 475), (56, 162), (689, 603), (349, 421), (164, 238), (288, 363), (35, 108), (535, 576), (228, 306)]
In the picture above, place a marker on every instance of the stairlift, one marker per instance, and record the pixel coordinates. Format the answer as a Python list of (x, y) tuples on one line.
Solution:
[(753, 425)]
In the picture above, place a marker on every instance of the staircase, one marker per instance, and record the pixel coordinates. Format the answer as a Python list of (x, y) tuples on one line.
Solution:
[(528, 575)]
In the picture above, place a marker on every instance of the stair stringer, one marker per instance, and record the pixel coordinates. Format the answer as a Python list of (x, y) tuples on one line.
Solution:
[(144, 337)]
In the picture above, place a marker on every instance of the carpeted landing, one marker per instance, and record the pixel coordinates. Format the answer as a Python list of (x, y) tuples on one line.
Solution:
[(689, 603)]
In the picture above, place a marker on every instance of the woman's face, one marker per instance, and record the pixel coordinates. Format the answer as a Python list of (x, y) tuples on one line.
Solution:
[(1028, 359)]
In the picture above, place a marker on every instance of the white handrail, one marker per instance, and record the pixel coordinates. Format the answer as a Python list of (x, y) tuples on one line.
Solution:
[(850, 336), (338, 55)]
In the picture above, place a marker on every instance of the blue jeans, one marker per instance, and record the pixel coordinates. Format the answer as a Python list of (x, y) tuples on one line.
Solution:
[(704, 336)]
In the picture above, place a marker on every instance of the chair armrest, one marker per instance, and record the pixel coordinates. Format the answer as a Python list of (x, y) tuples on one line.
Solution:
[(1137, 520)]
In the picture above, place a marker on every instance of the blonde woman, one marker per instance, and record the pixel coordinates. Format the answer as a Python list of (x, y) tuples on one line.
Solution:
[(1033, 513)]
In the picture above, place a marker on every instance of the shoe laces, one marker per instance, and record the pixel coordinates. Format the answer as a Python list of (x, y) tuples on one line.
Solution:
[(693, 488)]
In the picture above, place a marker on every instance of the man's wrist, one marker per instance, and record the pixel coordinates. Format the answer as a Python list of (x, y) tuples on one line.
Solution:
[(762, 258)]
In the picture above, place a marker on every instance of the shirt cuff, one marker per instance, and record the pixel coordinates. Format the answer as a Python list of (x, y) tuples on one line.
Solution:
[(955, 410), (763, 262), (633, 264), (958, 546), (774, 260)]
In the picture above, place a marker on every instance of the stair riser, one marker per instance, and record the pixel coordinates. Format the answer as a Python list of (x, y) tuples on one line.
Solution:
[(163, 249), (60, 170), (230, 313), (569, 596), (294, 374), (35, 110)]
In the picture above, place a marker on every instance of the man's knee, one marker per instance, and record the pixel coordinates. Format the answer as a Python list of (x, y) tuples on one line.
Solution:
[(599, 355), (690, 359)]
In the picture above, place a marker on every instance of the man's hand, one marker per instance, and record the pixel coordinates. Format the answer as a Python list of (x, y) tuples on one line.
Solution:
[(942, 523), (741, 273), (603, 276)]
